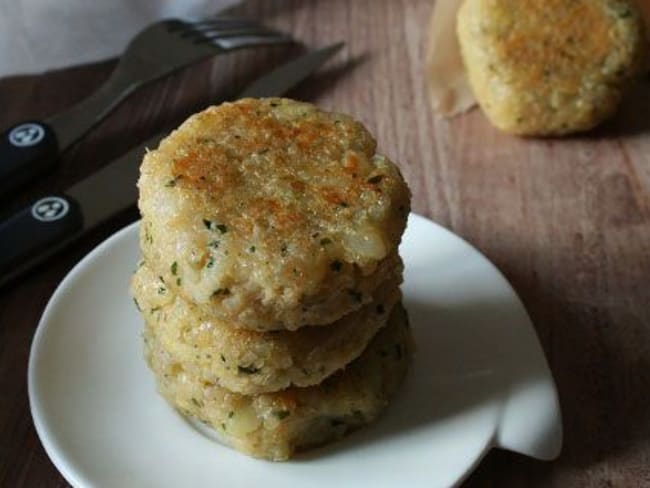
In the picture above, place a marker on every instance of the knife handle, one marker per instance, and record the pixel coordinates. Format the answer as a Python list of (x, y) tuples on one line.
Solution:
[(36, 232), (26, 150)]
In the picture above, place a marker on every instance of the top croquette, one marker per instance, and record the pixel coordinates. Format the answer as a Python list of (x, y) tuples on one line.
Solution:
[(271, 213)]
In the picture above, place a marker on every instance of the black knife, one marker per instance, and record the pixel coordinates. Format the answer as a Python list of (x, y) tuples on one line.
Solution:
[(54, 221)]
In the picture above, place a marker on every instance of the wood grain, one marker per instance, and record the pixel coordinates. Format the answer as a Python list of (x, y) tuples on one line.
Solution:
[(566, 220)]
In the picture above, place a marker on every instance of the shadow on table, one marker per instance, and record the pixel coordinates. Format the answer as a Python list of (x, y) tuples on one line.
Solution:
[(597, 345), (602, 366), (631, 119), (633, 116), (325, 80)]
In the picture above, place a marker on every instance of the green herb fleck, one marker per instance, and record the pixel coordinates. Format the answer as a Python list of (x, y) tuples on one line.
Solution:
[(325, 241), (210, 225), (154, 309), (251, 249), (223, 358), (223, 426), (210, 262), (344, 204), (213, 244), (230, 414), (174, 268), (221, 291), (375, 179), (162, 290), (281, 414), (137, 305), (336, 266), (178, 282), (248, 369), (624, 12), (284, 250), (196, 402)]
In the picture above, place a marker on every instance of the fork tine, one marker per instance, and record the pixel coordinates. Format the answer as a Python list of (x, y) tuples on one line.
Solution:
[(231, 28), (213, 29), (240, 35), (217, 23), (233, 31), (211, 35), (229, 43)]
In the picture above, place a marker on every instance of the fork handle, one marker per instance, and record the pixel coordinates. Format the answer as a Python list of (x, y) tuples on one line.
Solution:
[(26, 150)]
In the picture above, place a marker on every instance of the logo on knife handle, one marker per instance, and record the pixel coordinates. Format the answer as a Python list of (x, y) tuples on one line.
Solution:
[(49, 209), (26, 135)]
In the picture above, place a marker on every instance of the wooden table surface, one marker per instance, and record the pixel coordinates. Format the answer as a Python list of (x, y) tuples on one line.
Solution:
[(566, 220)]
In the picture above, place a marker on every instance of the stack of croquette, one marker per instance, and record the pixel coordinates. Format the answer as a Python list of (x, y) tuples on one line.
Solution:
[(270, 276)]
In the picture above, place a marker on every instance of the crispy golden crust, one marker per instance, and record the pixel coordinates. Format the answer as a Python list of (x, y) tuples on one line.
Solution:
[(271, 213), (544, 67), (275, 425), (251, 362)]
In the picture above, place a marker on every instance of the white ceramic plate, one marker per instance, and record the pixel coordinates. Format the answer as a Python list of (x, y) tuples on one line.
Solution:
[(479, 380)]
